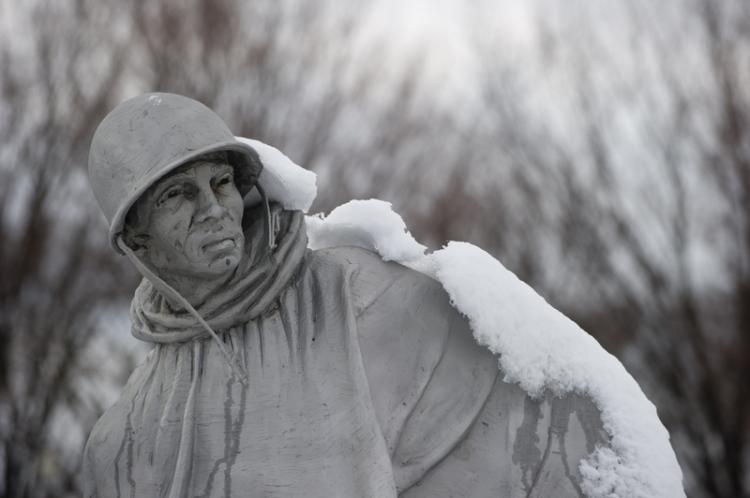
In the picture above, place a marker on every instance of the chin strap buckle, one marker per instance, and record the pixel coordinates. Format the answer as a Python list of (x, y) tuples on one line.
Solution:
[(273, 224)]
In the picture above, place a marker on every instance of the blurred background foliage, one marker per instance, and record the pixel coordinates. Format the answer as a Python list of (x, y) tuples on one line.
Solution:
[(602, 153)]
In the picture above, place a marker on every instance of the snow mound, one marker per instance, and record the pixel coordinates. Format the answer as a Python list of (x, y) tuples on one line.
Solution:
[(538, 347), (285, 182), (384, 232)]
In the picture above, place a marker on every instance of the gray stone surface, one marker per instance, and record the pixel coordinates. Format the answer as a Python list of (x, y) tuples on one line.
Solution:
[(349, 395), (331, 374)]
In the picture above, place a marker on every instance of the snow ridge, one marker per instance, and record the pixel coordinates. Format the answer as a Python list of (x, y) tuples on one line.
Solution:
[(384, 232), (538, 347), (283, 181)]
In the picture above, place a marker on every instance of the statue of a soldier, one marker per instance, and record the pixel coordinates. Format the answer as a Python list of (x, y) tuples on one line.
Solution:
[(281, 371)]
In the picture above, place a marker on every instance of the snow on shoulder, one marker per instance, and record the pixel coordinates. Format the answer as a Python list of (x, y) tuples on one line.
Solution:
[(369, 224), (538, 347), (283, 181)]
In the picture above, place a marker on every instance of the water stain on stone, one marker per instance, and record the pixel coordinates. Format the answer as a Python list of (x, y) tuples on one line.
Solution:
[(526, 453)]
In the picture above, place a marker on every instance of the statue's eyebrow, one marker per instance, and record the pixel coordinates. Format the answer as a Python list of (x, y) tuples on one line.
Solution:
[(179, 175), (222, 168), (168, 182)]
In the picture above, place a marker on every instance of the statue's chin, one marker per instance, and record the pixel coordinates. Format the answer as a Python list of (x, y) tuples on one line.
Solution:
[(220, 264), (207, 267)]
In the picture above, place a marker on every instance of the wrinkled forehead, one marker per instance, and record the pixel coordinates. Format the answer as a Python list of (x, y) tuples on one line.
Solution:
[(214, 163)]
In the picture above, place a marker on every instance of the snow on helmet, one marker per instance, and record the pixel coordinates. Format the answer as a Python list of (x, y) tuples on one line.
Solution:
[(146, 137)]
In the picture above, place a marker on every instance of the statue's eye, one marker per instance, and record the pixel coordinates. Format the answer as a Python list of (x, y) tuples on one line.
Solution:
[(172, 193), (224, 181)]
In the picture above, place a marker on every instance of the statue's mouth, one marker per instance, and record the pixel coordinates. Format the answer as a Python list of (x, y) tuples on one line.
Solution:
[(219, 244)]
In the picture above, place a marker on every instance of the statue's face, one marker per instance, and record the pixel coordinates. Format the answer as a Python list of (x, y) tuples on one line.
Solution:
[(195, 222)]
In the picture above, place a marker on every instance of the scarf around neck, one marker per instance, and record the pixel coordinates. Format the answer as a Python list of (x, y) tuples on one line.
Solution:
[(258, 279)]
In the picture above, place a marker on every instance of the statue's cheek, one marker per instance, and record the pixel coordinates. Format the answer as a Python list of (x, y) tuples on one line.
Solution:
[(241, 241), (234, 205), (173, 237)]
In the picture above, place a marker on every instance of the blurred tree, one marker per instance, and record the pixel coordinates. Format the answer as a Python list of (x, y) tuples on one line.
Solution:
[(55, 277), (608, 165)]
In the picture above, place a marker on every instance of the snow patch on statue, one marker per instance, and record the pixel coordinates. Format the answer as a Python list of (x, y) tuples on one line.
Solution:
[(284, 182), (538, 347), (384, 231)]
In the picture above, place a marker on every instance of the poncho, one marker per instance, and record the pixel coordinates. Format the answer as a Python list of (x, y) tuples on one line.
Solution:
[(363, 381)]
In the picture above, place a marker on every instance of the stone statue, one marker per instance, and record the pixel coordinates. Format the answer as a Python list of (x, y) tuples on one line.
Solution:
[(281, 371)]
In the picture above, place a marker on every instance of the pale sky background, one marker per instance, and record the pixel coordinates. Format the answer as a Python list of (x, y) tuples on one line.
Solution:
[(443, 35), (440, 30)]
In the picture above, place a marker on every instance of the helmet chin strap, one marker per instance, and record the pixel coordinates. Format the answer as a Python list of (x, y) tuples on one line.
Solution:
[(271, 221), (170, 293)]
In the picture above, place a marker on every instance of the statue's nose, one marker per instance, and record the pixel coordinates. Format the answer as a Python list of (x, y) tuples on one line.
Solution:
[(209, 206)]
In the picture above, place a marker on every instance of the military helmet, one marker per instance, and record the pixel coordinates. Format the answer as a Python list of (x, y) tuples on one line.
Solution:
[(146, 137)]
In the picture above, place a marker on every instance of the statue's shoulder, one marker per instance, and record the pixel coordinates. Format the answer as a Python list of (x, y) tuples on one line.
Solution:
[(350, 257), (105, 438), (102, 445), (372, 279)]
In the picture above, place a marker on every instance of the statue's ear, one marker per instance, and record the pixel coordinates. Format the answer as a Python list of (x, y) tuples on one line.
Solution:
[(137, 242), (247, 168)]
